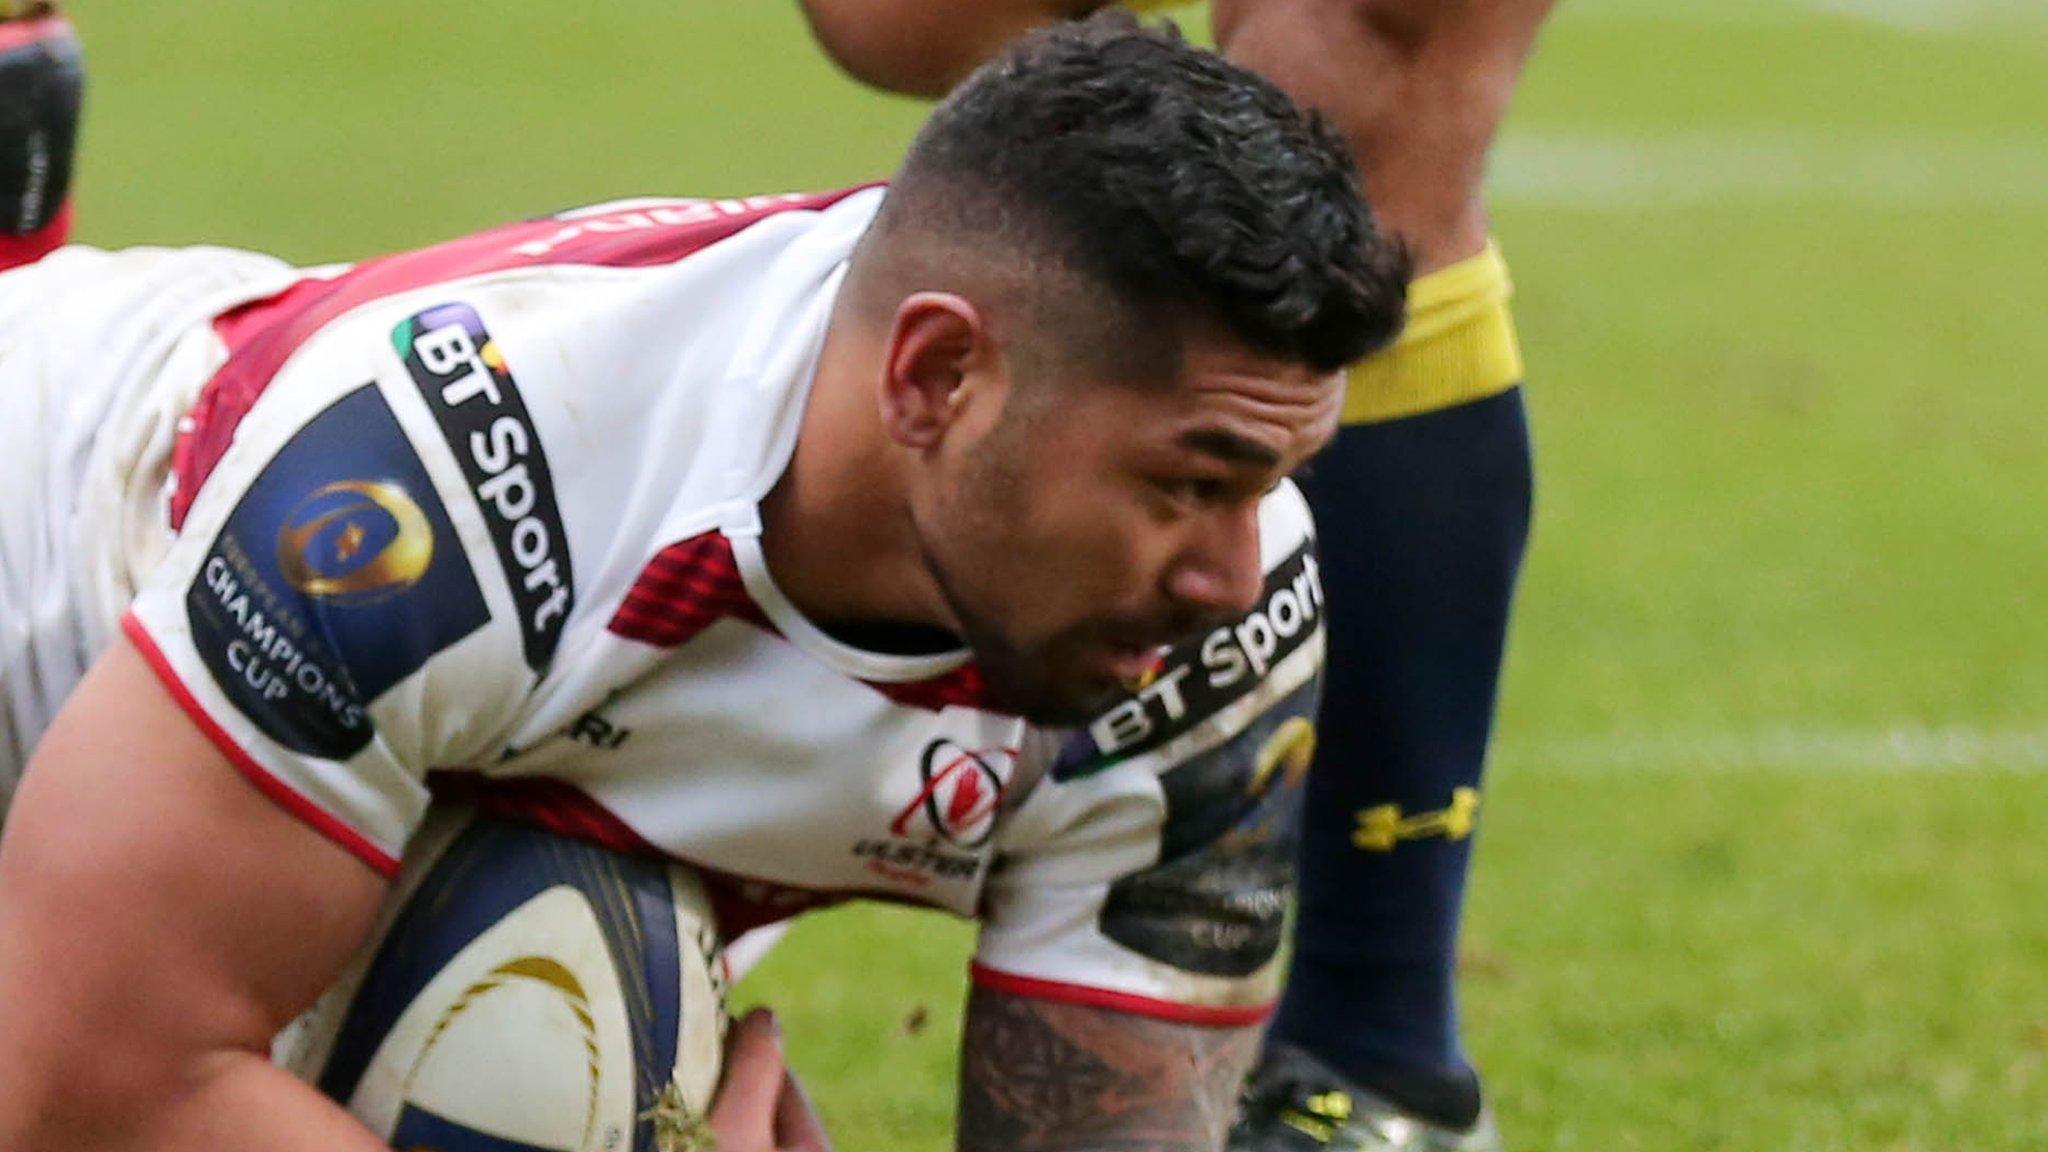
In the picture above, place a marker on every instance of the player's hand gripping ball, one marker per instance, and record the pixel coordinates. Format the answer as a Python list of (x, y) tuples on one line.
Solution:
[(761, 1107)]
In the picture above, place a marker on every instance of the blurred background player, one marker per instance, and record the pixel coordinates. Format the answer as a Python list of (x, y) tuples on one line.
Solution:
[(42, 83), (1423, 506)]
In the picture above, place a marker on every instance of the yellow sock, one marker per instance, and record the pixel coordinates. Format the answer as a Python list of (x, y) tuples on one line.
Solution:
[(1458, 346)]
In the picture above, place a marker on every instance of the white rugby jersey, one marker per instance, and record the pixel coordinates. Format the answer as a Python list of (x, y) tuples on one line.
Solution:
[(482, 520)]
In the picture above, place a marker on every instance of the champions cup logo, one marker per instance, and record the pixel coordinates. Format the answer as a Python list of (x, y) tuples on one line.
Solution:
[(962, 789), (331, 581), (355, 542)]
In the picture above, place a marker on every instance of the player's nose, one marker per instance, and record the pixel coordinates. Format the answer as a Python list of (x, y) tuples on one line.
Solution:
[(1219, 575)]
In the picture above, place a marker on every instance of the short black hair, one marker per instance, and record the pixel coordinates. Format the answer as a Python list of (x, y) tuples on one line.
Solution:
[(1167, 176)]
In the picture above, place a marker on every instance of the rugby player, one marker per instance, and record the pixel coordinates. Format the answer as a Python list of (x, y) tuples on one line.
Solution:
[(1424, 501), (789, 537)]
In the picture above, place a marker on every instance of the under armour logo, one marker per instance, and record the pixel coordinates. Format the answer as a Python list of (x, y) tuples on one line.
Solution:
[(1382, 827)]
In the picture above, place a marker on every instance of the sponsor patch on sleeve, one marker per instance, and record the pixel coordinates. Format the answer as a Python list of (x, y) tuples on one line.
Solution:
[(1200, 677), (336, 576), (1216, 903), (463, 375)]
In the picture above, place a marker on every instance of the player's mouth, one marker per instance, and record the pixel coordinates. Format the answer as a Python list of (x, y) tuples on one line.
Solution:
[(1133, 665)]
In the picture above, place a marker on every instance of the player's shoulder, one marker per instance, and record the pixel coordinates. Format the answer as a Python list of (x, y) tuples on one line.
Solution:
[(604, 287), (551, 422), (602, 339)]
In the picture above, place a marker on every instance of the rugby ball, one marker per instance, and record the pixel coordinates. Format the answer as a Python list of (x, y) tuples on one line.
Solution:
[(525, 993)]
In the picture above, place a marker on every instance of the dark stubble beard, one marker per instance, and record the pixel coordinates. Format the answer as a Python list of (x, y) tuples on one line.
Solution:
[(1020, 682), (983, 505)]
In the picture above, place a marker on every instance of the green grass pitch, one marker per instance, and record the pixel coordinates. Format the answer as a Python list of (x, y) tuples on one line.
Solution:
[(1765, 860)]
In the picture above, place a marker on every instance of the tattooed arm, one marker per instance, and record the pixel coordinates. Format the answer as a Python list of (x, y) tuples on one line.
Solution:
[(1040, 1076)]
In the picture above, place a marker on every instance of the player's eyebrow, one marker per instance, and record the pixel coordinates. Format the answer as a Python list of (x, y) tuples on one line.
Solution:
[(1229, 447)]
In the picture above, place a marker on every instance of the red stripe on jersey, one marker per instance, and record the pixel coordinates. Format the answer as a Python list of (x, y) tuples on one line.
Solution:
[(688, 586), (262, 334), (563, 809), (281, 793), (1205, 1015), (738, 903), (692, 584), (963, 687)]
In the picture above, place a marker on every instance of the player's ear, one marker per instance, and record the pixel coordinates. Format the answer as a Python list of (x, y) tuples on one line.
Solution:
[(937, 344)]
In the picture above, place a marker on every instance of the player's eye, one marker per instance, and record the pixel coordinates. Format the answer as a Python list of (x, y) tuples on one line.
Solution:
[(1194, 491)]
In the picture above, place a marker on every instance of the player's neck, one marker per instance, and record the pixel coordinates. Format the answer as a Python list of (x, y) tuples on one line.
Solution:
[(837, 532)]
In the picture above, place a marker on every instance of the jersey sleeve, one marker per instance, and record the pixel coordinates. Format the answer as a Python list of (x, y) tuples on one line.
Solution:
[(1151, 868), (333, 613)]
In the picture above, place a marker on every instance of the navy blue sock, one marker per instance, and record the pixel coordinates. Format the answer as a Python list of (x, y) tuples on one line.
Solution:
[(1422, 523)]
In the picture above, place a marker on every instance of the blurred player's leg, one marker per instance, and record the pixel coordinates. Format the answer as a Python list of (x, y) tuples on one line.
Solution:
[(924, 47), (1423, 522), (42, 84), (1422, 505)]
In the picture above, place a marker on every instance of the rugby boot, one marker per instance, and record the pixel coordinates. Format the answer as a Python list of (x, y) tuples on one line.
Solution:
[(1295, 1103), (42, 87)]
